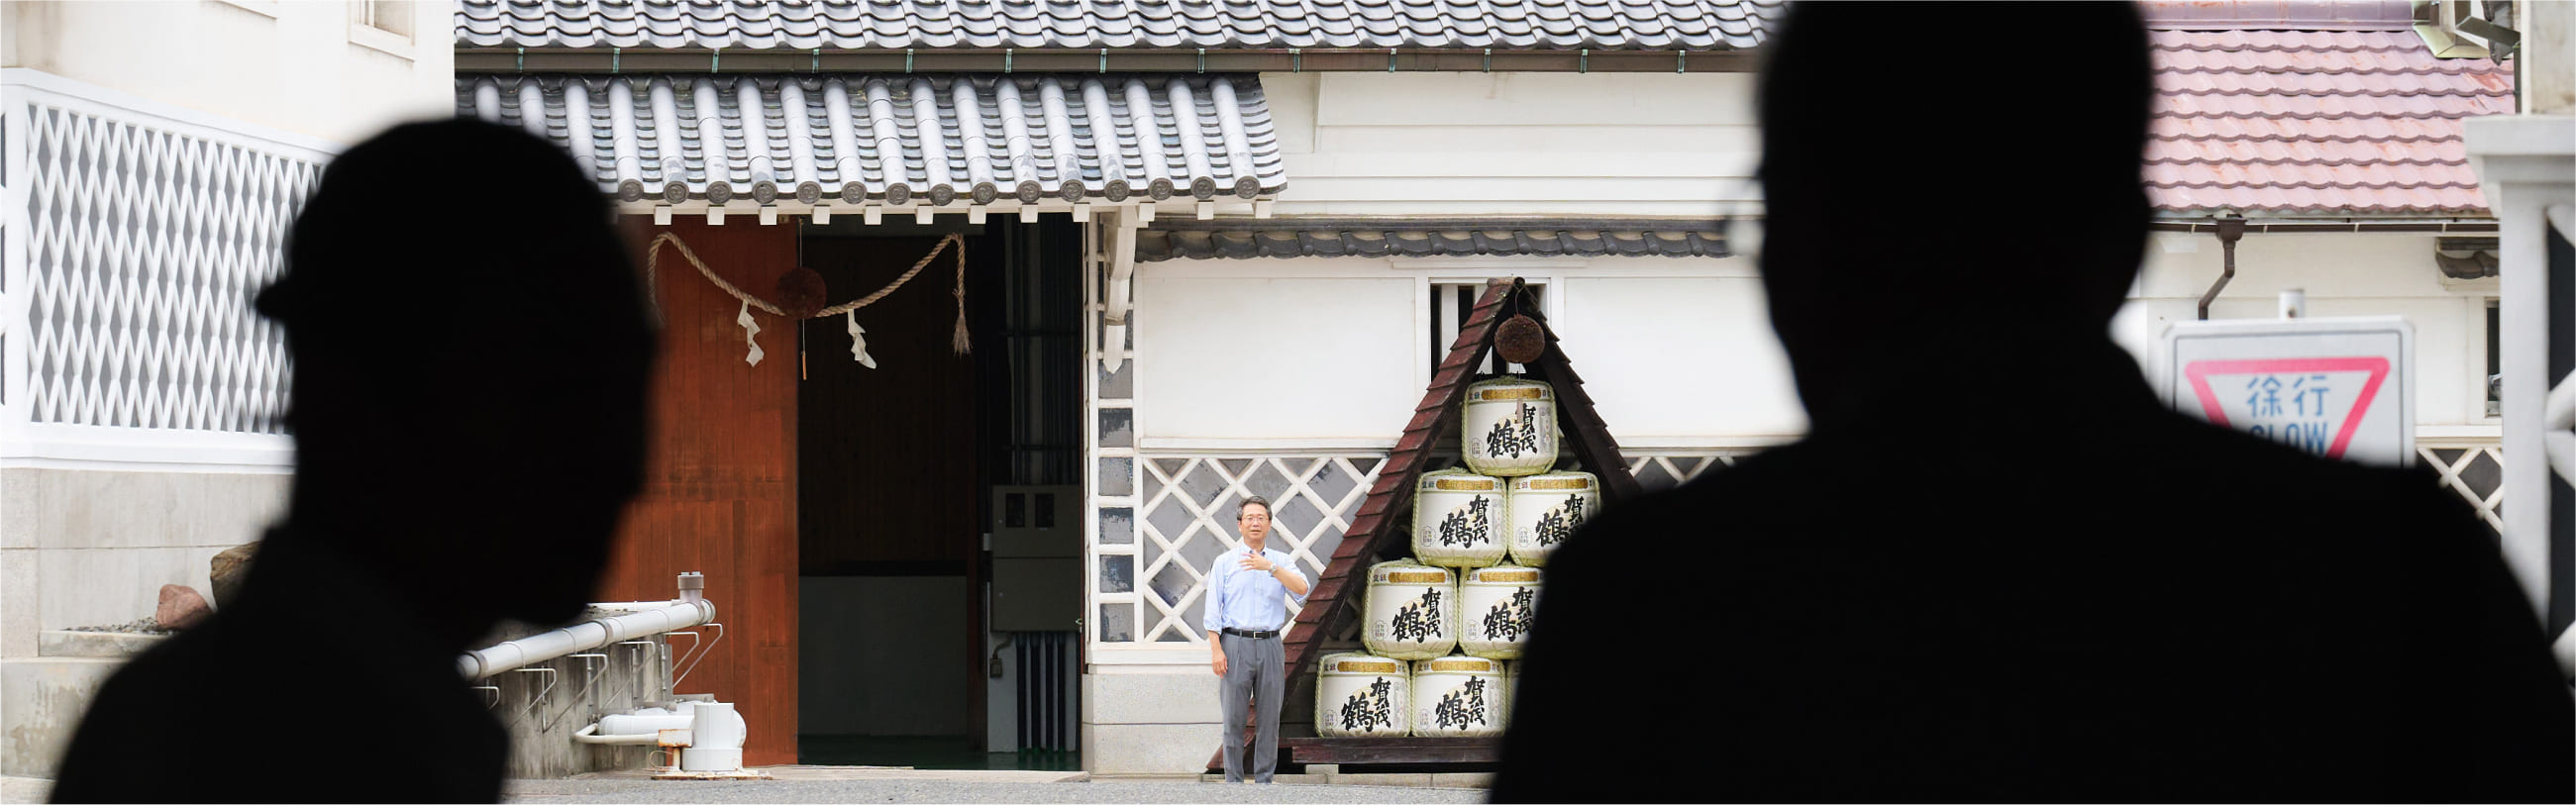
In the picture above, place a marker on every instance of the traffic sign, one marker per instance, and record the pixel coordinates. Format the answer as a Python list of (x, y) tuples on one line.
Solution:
[(2340, 388)]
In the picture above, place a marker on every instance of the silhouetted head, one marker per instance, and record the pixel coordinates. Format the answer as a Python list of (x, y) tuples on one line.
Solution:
[(470, 374), (1940, 175)]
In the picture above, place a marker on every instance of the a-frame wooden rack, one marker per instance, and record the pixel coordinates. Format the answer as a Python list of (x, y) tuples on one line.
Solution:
[(1382, 527)]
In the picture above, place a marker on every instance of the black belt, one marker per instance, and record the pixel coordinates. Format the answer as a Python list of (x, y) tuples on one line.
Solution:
[(1249, 633)]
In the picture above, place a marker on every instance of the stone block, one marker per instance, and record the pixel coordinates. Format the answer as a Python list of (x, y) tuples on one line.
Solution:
[(108, 586), (1148, 748), (15, 790), (1186, 696), (21, 618), (103, 509), (22, 501), (41, 702)]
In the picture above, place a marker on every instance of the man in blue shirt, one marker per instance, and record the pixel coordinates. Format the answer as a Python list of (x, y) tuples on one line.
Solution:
[(1248, 591)]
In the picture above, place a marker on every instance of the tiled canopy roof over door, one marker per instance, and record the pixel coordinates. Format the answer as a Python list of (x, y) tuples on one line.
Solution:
[(895, 139)]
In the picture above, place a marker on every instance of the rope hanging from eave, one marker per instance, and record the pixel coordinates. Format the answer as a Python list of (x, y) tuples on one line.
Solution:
[(961, 343)]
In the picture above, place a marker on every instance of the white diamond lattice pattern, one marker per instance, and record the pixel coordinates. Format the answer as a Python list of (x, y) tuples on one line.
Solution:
[(1188, 508), (144, 249), (2476, 473), (1657, 472)]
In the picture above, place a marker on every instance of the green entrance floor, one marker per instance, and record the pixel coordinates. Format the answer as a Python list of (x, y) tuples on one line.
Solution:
[(924, 752)]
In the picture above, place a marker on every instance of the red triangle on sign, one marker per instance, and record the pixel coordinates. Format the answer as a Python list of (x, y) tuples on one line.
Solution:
[(2200, 371)]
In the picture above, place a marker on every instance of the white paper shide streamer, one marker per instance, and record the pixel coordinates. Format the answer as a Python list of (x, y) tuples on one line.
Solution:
[(750, 332), (859, 342)]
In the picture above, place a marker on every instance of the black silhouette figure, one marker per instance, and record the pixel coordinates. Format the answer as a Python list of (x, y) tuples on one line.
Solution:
[(1945, 593), (469, 413)]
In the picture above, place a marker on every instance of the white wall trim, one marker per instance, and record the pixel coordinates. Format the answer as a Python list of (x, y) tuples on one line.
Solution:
[(382, 41), (87, 97), (264, 8), (1175, 446), (93, 447), (2426, 434), (1606, 267), (1118, 658)]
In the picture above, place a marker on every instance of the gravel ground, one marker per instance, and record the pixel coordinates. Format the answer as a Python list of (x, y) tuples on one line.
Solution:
[(954, 787), (964, 787), (147, 625)]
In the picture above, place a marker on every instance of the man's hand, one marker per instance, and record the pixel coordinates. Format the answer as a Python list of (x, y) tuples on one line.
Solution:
[(1216, 659), (1254, 561)]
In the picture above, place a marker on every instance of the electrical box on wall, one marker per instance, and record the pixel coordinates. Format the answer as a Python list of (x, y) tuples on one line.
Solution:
[(1037, 558)]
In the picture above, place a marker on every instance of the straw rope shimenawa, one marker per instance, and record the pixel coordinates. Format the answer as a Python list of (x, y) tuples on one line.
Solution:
[(960, 342)]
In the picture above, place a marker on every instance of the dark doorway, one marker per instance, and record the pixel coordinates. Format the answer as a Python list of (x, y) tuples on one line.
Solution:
[(895, 469)]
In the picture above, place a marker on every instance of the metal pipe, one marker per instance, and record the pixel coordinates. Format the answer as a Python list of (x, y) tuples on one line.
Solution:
[(2230, 229), (590, 735), (584, 636)]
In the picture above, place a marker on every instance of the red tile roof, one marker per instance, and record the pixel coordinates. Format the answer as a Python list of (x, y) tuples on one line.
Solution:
[(2322, 109)]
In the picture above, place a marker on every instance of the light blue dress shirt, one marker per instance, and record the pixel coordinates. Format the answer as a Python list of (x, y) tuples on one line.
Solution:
[(1245, 598)]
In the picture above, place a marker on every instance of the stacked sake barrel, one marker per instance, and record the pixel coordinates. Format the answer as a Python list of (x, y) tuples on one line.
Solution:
[(1461, 607)]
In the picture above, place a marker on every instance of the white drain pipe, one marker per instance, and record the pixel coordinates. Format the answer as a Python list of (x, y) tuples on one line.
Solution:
[(690, 609), (590, 735)]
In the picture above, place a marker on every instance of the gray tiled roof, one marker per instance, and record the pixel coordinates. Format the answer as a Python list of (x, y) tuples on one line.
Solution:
[(1037, 24), (896, 138), (1292, 238)]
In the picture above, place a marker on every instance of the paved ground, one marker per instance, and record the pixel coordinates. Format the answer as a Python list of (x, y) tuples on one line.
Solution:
[(892, 785), (903, 785)]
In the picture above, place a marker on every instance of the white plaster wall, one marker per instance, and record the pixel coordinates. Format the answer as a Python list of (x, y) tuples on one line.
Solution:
[(297, 66), (1672, 361), (1273, 357), (1675, 352), (2343, 274), (1513, 143), (92, 548)]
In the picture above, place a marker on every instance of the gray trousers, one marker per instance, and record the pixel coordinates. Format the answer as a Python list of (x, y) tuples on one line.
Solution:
[(1255, 671)]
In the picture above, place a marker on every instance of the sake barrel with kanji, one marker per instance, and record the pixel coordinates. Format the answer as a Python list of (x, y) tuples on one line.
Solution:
[(1412, 611), (1508, 427), (1495, 606), (1544, 509), (1458, 697), (1458, 519), (1363, 695)]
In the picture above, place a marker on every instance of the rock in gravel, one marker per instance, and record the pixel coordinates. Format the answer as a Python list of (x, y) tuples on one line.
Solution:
[(227, 571), (181, 607)]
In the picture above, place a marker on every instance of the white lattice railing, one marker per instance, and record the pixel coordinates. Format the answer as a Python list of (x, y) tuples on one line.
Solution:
[(139, 232)]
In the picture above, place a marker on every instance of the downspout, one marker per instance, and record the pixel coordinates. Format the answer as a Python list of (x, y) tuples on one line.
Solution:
[(2230, 229)]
